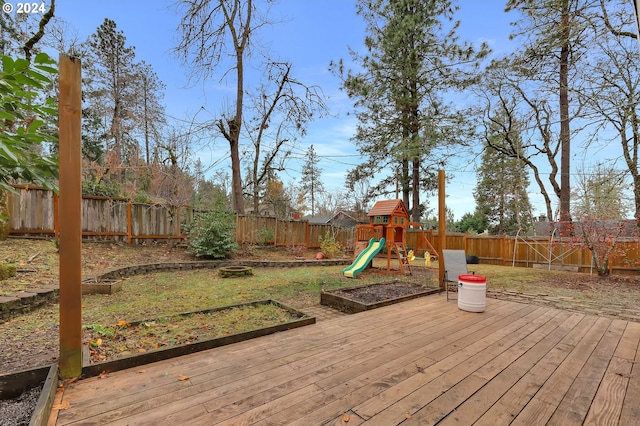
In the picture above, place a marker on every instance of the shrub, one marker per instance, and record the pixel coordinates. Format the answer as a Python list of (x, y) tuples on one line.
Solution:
[(7, 270), (329, 246), (265, 236), (101, 188), (297, 251), (142, 197), (212, 234)]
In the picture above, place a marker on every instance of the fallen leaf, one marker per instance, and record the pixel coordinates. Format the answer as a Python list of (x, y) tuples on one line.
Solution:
[(67, 382), (407, 416), (123, 323), (142, 371), (183, 378), (62, 406), (103, 375), (346, 417)]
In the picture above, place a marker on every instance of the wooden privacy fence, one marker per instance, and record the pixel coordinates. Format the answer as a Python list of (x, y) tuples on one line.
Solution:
[(542, 252), (34, 211), (278, 232)]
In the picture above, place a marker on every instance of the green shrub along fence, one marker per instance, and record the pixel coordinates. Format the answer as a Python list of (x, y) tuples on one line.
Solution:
[(33, 212)]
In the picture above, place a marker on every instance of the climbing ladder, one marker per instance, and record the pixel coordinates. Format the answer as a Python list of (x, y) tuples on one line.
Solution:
[(405, 265)]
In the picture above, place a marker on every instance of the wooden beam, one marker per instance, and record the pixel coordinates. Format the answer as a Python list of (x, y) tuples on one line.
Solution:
[(70, 221), (442, 224)]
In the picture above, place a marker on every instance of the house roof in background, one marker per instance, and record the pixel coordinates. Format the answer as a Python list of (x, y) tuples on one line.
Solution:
[(317, 219)]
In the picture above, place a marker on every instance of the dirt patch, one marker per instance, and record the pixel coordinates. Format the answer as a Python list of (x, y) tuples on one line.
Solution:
[(33, 341), (352, 300), (379, 292), (123, 339)]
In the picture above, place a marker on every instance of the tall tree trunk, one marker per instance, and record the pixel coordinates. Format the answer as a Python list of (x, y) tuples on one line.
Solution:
[(565, 135), (405, 182), (235, 126), (415, 207)]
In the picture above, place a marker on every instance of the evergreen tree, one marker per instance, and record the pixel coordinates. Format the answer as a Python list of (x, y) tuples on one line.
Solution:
[(149, 111), (472, 223), (501, 193), (413, 58), (311, 183), (111, 85)]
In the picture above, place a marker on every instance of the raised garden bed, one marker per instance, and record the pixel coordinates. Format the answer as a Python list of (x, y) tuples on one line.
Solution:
[(295, 319), (33, 391), (26, 397), (363, 298), (94, 286)]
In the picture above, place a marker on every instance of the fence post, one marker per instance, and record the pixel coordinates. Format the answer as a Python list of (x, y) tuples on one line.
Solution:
[(306, 234), (56, 225), (275, 234), (177, 232), (442, 223), (129, 224), (504, 249)]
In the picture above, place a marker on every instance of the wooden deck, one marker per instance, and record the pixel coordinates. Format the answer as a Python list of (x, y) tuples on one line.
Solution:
[(418, 362)]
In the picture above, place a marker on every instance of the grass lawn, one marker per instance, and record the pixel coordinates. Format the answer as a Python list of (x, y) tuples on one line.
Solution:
[(157, 298), (32, 339)]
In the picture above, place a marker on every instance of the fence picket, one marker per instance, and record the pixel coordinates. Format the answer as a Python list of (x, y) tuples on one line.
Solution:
[(33, 211)]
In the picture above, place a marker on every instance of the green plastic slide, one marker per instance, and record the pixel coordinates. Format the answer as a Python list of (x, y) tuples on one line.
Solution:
[(364, 258)]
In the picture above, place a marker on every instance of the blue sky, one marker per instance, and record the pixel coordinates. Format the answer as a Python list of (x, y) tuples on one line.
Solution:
[(311, 34)]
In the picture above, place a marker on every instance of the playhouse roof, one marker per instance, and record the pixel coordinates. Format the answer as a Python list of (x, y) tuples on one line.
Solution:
[(389, 208)]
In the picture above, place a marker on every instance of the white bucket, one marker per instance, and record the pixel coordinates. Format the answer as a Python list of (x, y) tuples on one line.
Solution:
[(472, 293)]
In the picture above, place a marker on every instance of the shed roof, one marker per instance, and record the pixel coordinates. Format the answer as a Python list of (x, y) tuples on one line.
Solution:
[(388, 208)]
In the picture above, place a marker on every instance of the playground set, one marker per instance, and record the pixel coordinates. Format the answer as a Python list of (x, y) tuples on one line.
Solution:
[(387, 227)]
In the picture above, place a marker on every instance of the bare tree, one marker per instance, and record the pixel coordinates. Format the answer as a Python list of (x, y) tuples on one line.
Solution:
[(210, 31), (555, 42), (282, 107), (612, 89), (518, 124)]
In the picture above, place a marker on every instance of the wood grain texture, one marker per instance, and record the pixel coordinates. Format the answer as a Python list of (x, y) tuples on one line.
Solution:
[(418, 362)]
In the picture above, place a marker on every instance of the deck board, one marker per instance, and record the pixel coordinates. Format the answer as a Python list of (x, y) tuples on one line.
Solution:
[(423, 361)]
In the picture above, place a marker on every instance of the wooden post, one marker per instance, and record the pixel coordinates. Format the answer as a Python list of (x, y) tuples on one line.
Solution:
[(442, 224), (275, 234), (70, 208), (129, 224), (56, 215), (306, 234), (504, 250)]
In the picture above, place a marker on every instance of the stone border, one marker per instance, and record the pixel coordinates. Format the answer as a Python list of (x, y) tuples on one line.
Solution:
[(129, 271), (24, 301)]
